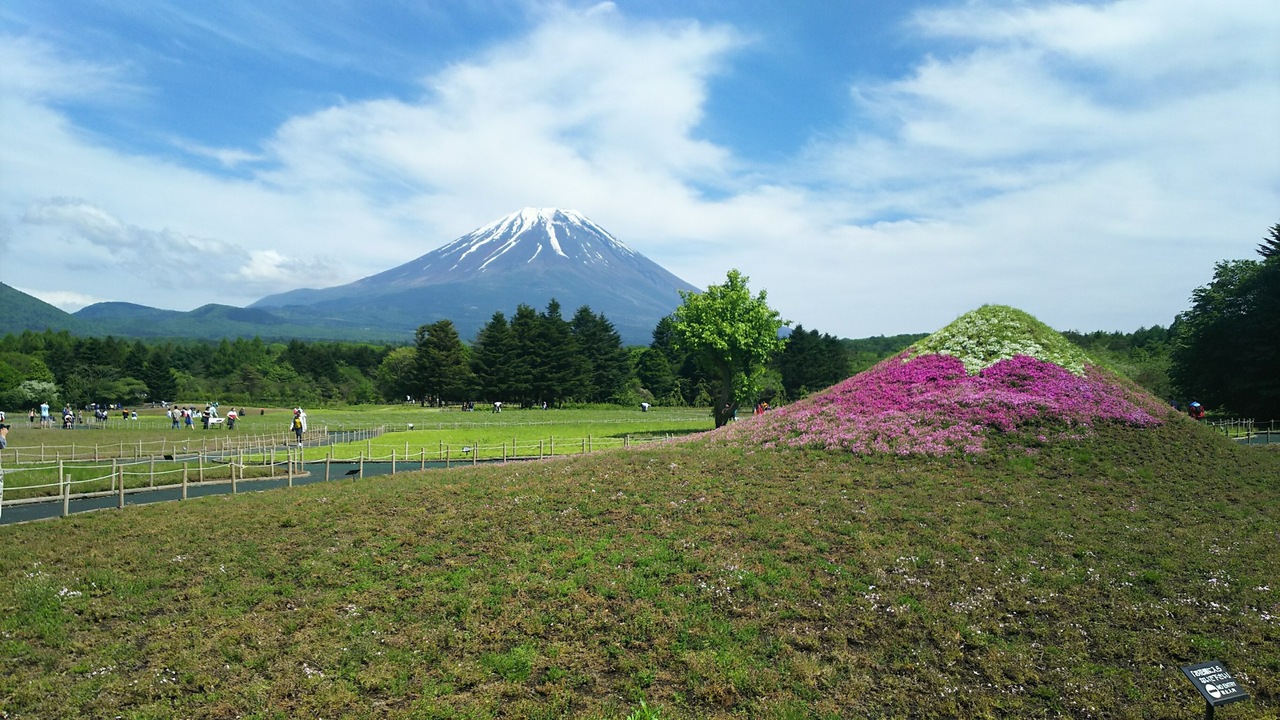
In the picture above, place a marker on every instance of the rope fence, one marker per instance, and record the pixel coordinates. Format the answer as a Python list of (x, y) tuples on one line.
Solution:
[(204, 444), (1248, 431), (70, 479)]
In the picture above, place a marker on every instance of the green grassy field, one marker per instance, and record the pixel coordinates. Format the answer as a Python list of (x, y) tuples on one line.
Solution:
[(406, 433), (699, 581)]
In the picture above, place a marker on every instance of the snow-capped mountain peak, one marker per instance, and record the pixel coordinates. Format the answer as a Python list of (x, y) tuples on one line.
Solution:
[(529, 256), (525, 235)]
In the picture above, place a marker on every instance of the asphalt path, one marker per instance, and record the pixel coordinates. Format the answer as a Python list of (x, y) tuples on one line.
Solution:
[(51, 507)]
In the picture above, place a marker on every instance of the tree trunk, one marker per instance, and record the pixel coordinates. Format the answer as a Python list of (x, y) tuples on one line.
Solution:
[(725, 403)]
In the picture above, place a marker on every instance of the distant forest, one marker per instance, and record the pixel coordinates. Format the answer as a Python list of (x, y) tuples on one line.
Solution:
[(534, 357)]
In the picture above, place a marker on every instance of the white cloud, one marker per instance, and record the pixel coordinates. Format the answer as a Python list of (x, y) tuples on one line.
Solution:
[(1087, 162), (166, 258), (67, 300)]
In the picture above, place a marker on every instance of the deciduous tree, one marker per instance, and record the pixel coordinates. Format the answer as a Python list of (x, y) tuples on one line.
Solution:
[(733, 335), (1226, 348)]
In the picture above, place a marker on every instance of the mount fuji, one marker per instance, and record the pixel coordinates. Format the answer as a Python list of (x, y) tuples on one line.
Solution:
[(529, 256)]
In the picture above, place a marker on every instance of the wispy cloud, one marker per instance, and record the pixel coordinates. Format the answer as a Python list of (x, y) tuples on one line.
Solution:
[(34, 70)]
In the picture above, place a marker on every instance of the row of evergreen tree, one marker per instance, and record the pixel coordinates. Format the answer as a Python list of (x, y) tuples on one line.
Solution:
[(531, 358)]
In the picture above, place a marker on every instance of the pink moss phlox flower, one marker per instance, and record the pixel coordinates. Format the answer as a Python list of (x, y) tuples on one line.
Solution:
[(929, 405)]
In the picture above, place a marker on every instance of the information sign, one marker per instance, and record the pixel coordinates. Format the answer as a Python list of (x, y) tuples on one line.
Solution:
[(1215, 683)]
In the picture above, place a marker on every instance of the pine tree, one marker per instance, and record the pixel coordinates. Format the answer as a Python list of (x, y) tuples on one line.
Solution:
[(162, 382), (494, 360), (562, 372), (1270, 246), (525, 363), (443, 368), (811, 362), (609, 367)]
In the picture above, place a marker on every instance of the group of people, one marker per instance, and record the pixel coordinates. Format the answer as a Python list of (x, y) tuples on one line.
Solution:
[(186, 416)]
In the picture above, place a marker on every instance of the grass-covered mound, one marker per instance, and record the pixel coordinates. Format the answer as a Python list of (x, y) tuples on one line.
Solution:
[(994, 370), (795, 584)]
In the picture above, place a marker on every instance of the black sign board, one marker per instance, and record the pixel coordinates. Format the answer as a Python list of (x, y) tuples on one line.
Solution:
[(1215, 683)]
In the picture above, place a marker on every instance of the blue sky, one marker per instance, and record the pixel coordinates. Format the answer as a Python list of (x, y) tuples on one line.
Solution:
[(877, 167)]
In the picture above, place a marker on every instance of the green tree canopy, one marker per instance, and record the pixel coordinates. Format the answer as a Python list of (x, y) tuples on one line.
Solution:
[(395, 376), (1226, 348), (733, 335)]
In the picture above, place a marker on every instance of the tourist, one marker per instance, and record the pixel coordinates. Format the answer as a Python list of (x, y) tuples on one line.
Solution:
[(298, 425)]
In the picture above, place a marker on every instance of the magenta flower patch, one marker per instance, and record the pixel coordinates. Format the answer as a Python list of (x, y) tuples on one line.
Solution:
[(929, 405)]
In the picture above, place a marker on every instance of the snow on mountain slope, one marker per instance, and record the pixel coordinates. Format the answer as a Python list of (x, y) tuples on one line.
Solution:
[(522, 237), (529, 256)]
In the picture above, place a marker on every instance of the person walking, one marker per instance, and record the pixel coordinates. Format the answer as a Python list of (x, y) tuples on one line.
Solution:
[(299, 425)]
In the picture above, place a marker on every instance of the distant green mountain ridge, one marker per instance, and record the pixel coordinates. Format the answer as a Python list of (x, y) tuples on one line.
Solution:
[(20, 312)]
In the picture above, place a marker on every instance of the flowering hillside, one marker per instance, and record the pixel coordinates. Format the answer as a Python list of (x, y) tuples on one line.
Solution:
[(993, 370), (992, 333)]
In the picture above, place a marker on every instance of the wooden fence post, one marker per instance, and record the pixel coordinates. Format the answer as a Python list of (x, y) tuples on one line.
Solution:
[(120, 486), (152, 482), (393, 460), (200, 468), (289, 464), (327, 460), (66, 490), (361, 475), (184, 483)]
